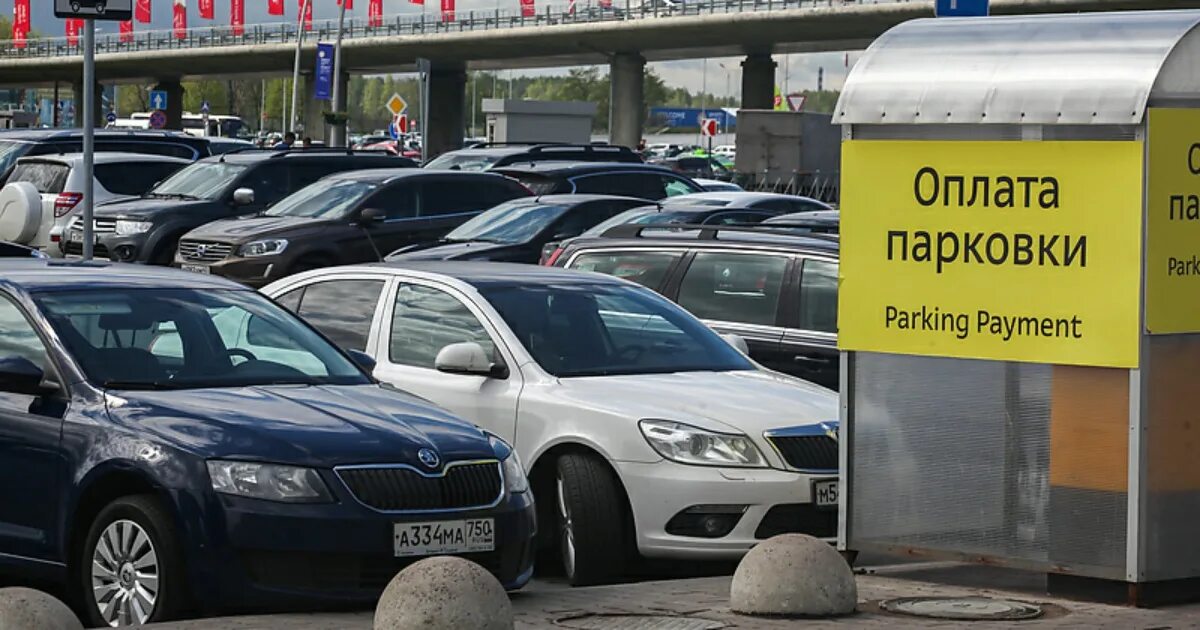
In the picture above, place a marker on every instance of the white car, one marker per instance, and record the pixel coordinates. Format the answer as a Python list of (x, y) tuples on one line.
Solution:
[(725, 150), (45, 192), (642, 429)]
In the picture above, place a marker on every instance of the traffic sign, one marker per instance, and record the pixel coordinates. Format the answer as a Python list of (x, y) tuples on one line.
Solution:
[(393, 131), (402, 123), (111, 117), (204, 107), (158, 99), (113, 10), (708, 127), (397, 105), (796, 102), (960, 8), (158, 119)]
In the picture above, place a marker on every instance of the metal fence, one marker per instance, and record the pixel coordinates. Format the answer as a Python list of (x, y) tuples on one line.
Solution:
[(583, 11)]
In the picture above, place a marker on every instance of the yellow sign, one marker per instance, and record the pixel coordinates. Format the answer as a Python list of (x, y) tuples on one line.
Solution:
[(1021, 251), (1173, 222), (397, 105)]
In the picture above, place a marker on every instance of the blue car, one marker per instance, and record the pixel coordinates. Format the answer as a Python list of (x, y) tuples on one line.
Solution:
[(172, 442)]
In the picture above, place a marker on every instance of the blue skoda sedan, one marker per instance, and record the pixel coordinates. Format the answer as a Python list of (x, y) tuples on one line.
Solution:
[(172, 442)]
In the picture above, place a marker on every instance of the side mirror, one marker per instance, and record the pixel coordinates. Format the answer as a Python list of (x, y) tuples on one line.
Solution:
[(737, 342), (468, 358), (371, 215), (243, 196), (19, 375), (364, 360)]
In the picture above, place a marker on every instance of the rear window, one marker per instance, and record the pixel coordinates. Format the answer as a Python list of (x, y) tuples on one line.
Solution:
[(47, 177), (537, 184), (133, 178), (172, 148)]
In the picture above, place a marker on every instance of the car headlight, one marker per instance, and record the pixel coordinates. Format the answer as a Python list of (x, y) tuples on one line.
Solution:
[(269, 247), (272, 482), (129, 228), (515, 481), (691, 445)]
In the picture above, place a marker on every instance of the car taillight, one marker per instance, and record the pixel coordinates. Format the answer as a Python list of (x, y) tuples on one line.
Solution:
[(553, 257), (66, 202)]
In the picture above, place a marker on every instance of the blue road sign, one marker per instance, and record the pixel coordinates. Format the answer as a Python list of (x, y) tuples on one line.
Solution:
[(111, 118), (204, 107), (393, 131), (158, 99), (960, 8), (158, 119)]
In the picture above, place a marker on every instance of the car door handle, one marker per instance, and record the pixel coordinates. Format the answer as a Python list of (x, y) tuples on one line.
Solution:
[(802, 358)]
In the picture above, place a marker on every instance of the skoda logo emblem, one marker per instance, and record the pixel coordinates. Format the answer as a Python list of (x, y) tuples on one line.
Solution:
[(428, 457)]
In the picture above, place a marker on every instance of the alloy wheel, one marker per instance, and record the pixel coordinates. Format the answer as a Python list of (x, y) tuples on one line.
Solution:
[(568, 531), (125, 574)]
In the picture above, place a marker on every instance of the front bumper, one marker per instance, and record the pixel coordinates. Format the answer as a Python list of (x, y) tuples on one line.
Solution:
[(259, 555), (252, 272), (777, 502)]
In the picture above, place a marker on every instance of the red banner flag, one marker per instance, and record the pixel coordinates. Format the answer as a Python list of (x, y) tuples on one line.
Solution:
[(206, 9), (127, 31), (142, 13), (605, 4), (528, 9), (274, 7), (237, 16), (447, 10), (420, 2), (349, 4), (306, 7), (571, 7), (73, 28), (179, 19), (20, 29), (375, 13)]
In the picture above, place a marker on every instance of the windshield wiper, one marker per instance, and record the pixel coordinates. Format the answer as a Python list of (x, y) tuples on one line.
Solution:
[(141, 385), (158, 195)]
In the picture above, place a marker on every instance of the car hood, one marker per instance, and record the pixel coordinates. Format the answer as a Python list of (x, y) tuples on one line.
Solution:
[(748, 401), (250, 228), (320, 426), (450, 251), (144, 207)]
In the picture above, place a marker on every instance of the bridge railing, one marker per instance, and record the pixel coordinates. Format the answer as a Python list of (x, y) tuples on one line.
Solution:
[(558, 12)]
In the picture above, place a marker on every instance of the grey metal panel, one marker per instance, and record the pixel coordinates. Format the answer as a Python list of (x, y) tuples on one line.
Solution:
[(1083, 69)]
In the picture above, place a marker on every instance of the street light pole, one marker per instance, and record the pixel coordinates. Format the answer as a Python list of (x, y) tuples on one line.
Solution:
[(296, 66), (337, 132), (89, 133)]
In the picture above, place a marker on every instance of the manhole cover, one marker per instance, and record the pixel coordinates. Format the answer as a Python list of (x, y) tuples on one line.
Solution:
[(963, 608), (638, 622)]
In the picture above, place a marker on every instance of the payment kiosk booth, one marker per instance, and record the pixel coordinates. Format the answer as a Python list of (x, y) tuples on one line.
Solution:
[(1020, 298)]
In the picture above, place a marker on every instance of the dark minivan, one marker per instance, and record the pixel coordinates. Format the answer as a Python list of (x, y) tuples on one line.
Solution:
[(347, 218)]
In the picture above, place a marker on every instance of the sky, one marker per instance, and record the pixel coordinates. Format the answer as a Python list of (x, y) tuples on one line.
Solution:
[(721, 76)]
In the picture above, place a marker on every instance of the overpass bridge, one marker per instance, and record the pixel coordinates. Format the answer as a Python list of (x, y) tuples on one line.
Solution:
[(625, 36)]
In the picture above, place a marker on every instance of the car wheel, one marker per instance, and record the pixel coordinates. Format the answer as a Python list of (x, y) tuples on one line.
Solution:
[(131, 570), (593, 537)]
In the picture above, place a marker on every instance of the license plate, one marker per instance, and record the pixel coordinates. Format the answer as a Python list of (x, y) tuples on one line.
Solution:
[(825, 493), (444, 537), (196, 268), (75, 237)]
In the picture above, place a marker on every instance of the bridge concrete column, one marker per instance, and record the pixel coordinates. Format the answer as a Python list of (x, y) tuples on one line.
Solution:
[(98, 106), (174, 110), (314, 122), (758, 82), (443, 131), (627, 110)]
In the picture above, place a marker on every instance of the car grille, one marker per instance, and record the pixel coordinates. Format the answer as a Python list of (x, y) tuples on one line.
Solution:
[(798, 518), (76, 249), (201, 251), (808, 452), (100, 226), (398, 488), (338, 571)]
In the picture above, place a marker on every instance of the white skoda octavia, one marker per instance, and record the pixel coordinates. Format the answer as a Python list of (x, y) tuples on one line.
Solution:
[(643, 431)]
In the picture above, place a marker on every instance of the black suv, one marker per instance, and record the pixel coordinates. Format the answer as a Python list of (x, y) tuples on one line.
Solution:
[(20, 143), (345, 218), (489, 155), (627, 180), (146, 230), (775, 289)]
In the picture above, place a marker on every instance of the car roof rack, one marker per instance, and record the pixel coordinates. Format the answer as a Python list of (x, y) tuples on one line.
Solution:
[(704, 232), (586, 148), (491, 145)]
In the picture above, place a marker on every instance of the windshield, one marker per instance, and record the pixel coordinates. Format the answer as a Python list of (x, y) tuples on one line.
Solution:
[(330, 199), (202, 180), (463, 162), (9, 152), (190, 339), (512, 222), (608, 330), (621, 219)]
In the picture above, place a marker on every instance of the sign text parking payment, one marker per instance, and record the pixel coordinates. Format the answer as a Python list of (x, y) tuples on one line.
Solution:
[(1025, 251)]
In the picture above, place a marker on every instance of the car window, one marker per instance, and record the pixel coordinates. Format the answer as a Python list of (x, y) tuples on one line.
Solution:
[(645, 268), (675, 186), (342, 309), (270, 182), (18, 337), (741, 288), (399, 201), (202, 180), (584, 217), (452, 197), (133, 178), (328, 200), (46, 177), (642, 185), (10, 152), (170, 149), (291, 299), (425, 320), (818, 296)]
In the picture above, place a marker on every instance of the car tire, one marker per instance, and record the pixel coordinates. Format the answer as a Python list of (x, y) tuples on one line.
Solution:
[(131, 557), (592, 531)]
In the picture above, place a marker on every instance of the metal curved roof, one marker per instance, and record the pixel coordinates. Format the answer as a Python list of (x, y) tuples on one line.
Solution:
[(1086, 68)]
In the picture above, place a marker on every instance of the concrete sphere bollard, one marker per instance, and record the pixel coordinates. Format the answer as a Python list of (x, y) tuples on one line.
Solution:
[(793, 575), (27, 609), (444, 593)]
